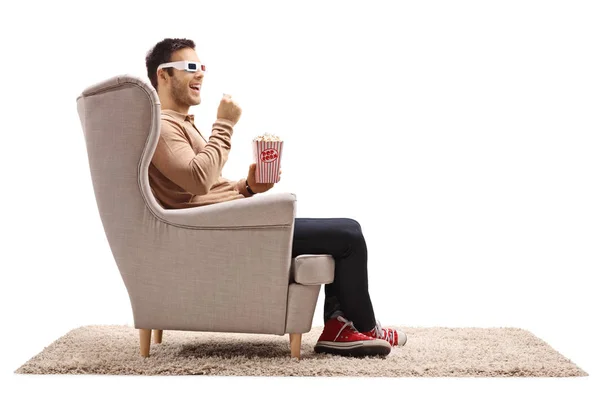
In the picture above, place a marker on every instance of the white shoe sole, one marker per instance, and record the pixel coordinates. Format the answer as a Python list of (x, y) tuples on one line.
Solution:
[(361, 348)]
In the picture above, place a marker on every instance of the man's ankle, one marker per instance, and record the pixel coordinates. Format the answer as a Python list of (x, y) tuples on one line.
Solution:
[(335, 314)]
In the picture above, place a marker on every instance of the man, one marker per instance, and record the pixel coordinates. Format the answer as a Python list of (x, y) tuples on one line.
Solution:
[(186, 172)]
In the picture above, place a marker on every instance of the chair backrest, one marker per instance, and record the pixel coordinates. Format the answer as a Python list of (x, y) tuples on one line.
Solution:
[(120, 118)]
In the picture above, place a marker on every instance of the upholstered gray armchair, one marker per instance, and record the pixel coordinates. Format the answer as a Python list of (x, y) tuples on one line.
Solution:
[(225, 267)]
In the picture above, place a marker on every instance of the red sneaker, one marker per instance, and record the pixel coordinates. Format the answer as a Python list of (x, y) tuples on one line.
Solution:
[(340, 337), (392, 336)]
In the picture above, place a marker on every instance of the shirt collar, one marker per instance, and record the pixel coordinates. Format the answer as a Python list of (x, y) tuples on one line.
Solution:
[(179, 116)]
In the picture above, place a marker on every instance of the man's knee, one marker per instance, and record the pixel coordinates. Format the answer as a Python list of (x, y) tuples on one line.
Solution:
[(354, 226), (353, 229), (352, 222)]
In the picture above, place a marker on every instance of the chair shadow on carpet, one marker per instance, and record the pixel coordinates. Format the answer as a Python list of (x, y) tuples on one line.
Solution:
[(232, 350), (250, 350)]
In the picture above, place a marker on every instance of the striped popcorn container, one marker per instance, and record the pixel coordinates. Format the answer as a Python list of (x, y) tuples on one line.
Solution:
[(267, 156)]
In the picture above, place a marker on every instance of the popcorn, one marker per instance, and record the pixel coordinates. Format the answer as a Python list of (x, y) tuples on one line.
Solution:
[(267, 150), (267, 137)]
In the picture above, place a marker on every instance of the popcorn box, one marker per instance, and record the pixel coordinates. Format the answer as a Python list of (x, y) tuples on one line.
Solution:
[(267, 156)]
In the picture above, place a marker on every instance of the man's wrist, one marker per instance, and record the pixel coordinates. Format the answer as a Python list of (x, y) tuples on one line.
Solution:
[(249, 189)]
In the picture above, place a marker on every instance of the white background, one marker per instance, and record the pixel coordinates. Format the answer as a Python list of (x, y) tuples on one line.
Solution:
[(463, 136)]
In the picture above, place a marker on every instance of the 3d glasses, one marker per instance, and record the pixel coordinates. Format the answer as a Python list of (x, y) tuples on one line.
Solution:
[(190, 66)]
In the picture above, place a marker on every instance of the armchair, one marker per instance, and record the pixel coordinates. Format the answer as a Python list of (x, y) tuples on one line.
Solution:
[(224, 267)]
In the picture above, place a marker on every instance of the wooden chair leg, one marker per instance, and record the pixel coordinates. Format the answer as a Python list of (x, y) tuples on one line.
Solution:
[(295, 342), (145, 342), (158, 335)]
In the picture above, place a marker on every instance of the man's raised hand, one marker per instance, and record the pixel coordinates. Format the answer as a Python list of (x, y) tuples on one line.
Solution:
[(229, 109)]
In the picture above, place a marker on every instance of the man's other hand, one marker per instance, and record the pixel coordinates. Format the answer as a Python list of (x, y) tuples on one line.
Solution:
[(229, 109), (258, 187)]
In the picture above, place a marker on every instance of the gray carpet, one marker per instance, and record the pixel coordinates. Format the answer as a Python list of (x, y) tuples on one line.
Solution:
[(431, 352)]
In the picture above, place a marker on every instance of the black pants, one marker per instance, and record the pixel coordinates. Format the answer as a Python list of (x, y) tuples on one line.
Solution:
[(342, 238)]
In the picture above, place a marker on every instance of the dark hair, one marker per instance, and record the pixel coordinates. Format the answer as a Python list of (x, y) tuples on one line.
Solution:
[(161, 53)]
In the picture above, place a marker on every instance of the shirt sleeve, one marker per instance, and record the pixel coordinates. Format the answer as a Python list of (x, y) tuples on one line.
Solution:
[(175, 158)]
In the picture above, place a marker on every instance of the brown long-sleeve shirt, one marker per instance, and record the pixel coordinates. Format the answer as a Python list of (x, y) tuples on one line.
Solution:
[(186, 168)]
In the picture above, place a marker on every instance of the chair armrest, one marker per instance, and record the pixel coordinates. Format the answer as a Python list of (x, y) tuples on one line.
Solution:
[(277, 209)]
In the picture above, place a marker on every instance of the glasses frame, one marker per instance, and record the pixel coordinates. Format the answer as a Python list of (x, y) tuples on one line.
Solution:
[(183, 66)]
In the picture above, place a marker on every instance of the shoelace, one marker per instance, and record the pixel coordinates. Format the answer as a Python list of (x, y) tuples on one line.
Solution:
[(348, 323), (382, 333)]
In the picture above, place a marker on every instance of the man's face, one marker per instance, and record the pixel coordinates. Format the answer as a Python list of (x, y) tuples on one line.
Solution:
[(179, 86)]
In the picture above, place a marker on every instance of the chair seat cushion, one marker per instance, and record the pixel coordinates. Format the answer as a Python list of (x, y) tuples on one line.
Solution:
[(313, 269)]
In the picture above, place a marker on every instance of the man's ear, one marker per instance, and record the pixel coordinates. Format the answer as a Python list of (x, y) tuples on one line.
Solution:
[(162, 75)]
